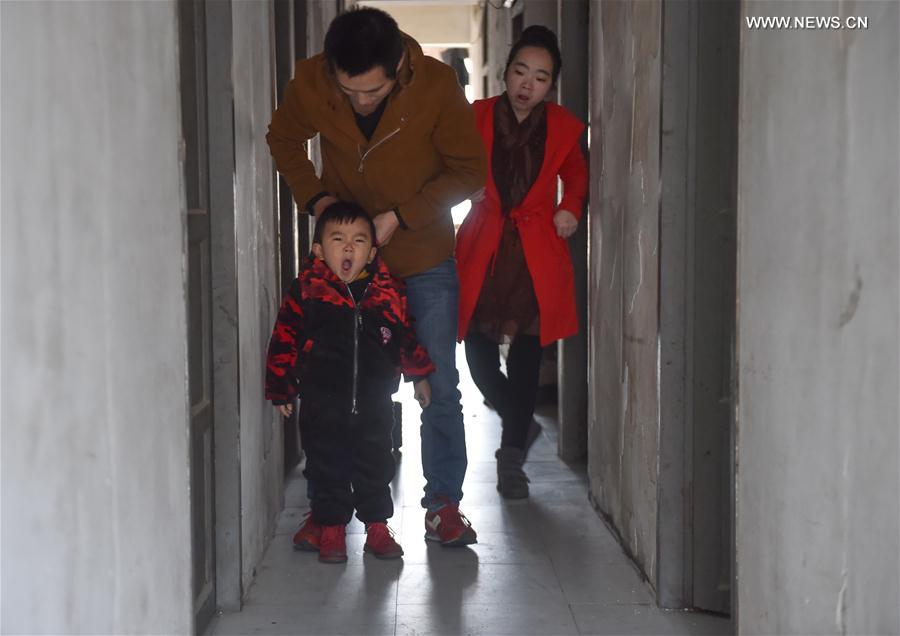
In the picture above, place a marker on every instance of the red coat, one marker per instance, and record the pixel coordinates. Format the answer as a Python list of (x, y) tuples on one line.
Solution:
[(546, 254)]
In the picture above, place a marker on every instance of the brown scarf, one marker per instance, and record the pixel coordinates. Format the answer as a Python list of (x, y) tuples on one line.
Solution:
[(518, 151)]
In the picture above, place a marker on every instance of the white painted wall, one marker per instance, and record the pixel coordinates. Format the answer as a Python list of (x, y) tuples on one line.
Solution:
[(262, 449), (817, 480), (95, 505)]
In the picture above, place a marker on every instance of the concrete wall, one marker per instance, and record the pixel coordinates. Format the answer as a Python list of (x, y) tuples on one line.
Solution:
[(257, 279), (95, 504), (499, 41), (817, 478), (623, 270), (476, 52), (543, 12)]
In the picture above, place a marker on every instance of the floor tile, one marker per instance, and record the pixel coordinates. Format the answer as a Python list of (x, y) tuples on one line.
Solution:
[(295, 490), (645, 620), (597, 551), (290, 577), (592, 582), (485, 619), (290, 519), (492, 547), (466, 580), (301, 621), (570, 522)]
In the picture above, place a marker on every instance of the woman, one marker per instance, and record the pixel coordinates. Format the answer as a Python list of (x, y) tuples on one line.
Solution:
[(516, 278)]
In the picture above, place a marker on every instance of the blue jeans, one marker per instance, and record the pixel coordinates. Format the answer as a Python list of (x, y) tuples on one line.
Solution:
[(434, 302)]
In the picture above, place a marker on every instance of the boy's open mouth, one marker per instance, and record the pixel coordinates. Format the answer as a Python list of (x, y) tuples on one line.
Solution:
[(346, 265)]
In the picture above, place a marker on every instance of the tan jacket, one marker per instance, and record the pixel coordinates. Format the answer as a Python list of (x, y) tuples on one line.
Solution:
[(425, 156)]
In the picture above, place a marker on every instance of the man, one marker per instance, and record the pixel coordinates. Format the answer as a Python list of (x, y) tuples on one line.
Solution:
[(397, 137)]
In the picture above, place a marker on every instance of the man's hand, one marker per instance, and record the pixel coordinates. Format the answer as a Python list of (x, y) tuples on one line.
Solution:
[(385, 225), (285, 409), (323, 203), (422, 392), (566, 223)]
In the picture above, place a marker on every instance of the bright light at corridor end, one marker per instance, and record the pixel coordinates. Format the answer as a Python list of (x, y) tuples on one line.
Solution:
[(460, 211)]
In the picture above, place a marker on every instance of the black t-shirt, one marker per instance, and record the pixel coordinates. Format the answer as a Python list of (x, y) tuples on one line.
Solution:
[(368, 123)]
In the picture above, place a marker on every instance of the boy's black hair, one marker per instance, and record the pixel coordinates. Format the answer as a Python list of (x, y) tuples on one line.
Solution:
[(539, 37), (361, 39), (341, 212)]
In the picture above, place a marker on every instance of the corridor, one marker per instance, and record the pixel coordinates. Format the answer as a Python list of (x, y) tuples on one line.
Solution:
[(733, 385), (544, 566)]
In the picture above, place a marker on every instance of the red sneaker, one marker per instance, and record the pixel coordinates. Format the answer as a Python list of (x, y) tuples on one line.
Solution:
[(449, 526), (380, 541), (308, 536), (333, 544)]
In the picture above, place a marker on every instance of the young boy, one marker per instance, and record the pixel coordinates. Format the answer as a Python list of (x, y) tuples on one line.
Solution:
[(342, 337)]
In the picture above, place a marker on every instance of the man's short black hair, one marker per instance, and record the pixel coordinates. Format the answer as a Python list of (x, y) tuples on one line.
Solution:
[(361, 39), (341, 212)]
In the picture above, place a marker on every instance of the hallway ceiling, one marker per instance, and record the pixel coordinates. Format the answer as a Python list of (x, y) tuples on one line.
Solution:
[(438, 23)]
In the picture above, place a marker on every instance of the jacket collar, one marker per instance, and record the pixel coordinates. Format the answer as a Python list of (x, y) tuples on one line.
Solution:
[(562, 129), (413, 62)]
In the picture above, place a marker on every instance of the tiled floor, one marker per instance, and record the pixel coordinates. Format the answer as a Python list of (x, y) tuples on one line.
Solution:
[(543, 566)]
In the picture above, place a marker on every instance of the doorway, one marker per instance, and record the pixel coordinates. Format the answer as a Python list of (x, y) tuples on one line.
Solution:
[(698, 221), (192, 34)]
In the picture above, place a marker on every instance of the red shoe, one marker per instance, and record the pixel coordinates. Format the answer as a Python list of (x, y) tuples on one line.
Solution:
[(380, 541), (308, 536), (333, 544), (449, 526)]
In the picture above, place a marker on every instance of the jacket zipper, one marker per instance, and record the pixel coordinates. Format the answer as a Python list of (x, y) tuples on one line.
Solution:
[(362, 156), (357, 325)]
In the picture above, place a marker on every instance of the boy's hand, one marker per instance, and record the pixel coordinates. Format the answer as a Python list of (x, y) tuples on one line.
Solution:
[(422, 393), (285, 409)]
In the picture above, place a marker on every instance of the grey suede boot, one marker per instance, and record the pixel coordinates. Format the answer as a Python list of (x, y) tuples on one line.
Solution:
[(511, 480)]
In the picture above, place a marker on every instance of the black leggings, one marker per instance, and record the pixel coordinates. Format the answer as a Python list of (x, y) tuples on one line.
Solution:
[(512, 395)]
